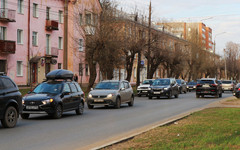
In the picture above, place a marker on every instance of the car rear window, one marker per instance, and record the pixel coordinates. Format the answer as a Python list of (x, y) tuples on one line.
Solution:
[(227, 82), (7, 83), (207, 82)]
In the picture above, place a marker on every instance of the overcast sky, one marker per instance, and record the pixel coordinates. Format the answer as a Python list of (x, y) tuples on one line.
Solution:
[(220, 15)]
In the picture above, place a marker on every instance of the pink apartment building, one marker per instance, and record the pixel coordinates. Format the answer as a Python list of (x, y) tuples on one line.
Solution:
[(32, 37)]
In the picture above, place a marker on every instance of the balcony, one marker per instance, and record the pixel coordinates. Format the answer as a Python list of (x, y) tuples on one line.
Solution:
[(7, 47), (90, 29), (7, 15), (51, 25), (51, 52)]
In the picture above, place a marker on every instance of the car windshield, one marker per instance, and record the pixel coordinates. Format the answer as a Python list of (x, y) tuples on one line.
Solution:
[(107, 85), (51, 88), (147, 82), (226, 82), (178, 81), (192, 83), (162, 82), (207, 82)]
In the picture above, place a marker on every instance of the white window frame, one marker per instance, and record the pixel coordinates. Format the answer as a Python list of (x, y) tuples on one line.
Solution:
[(60, 42), (35, 10), (19, 35), (80, 48), (35, 38), (60, 16), (20, 6), (19, 74)]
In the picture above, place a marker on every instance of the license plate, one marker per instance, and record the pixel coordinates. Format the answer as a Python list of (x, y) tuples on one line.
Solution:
[(205, 85), (98, 100), (157, 92), (32, 107), (206, 91), (144, 91)]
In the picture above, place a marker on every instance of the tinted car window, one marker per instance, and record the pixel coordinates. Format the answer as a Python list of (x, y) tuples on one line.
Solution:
[(66, 88), (147, 82), (73, 87), (1, 84), (207, 82), (52, 88), (227, 82), (78, 87), (107, 85), (162, 82), (178, 81), (7, 83), (192, 83)]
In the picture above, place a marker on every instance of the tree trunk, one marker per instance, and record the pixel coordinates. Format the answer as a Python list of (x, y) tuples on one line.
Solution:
[(93, 75), (129, 66), (138, 69)]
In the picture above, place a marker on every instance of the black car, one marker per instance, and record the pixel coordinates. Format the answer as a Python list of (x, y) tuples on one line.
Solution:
[(164, 87), (10, 102), (182, 86), (58, 94), (191, 86), (236, 91), (208, 86)]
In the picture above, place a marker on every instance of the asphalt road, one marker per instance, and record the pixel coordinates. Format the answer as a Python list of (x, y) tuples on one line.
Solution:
[(76, 132)]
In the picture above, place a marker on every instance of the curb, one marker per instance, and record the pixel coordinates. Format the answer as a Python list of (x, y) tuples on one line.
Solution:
[(131, 134)]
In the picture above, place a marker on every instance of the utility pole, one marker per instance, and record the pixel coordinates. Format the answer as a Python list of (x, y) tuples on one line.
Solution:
[(149, 40), (65, 51), (225, 63)]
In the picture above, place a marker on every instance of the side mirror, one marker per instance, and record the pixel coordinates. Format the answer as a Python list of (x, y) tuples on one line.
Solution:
[(122, 89), (91, 89)]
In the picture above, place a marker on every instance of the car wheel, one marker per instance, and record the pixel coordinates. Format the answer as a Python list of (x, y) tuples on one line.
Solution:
[(130, 104), (90, 106), (217, 95), (10, 117), (118, 103), (80, 109), (180, 90), (176, 96), (197, 96), (149, 97), (170, 95), (25, 116), (139, 95), (58, 112), (220, 95)]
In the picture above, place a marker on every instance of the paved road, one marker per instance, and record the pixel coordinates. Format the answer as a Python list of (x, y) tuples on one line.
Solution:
[(75, 132)]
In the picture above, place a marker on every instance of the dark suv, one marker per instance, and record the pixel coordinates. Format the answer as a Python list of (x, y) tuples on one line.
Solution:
[(163, 87), (10, 102), (56, 95), (208, 86)]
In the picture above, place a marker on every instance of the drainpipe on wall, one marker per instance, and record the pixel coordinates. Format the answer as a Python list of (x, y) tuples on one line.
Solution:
[(28, 46), (65, 51)]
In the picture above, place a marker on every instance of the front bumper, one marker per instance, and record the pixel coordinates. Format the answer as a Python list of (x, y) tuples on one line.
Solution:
[(39, 109), (142, 91), (101, 102), (159, 93)]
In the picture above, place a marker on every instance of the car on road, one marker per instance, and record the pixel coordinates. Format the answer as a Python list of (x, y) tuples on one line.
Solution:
[(166, 87), (228, 85), (58, 94), (182, 86), (236, 91), (111, 93), (143, 88), (191, 86), (208, 86), (10, 102)]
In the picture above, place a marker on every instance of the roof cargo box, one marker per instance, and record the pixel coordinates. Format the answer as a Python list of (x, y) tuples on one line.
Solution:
[(60, 74)]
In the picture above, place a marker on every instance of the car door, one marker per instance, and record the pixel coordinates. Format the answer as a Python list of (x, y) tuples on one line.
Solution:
[(66, 96), (174, 87), (128, 91), (2, 97), (75, 96), (122, 92)]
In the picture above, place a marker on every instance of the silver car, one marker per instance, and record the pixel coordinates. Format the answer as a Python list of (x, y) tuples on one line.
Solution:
[(111, 93), (228, 85)]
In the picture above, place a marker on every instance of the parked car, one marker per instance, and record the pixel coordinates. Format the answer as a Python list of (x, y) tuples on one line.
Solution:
[(143, 88), (111, 93), (191, 86), (208, 86), (182, 86), (163, 87), (10, 102), (236, 91), (58, 94), (228, 85)]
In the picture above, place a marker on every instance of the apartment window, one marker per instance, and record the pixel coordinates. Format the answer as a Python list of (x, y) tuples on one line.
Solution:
[(48, 13), (60, 15), (80, 44), (3, 33), (80, 69), (20, 6), (35, 38), (19, 68), (80, 19), (20, 36), (35, 10), (59, 66), (88, 19), (60, 43), (86, 69), (48, 44)]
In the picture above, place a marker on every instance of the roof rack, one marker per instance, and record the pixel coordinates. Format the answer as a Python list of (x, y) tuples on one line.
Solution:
[(60, 74), (2, 74)]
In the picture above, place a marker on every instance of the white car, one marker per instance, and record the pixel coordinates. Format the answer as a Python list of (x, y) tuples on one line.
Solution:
[(143, 89)]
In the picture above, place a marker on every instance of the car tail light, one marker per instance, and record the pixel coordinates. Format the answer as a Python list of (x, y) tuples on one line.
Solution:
[(238, 89), (213, 90), (214, 85), (198, 85)]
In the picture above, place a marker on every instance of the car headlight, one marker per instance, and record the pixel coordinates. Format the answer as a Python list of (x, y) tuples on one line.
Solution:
[(23, 102), (194, 87), (165, 89), (47, 101), (149, 88), (89, 95), (187, 86), (109, 95)]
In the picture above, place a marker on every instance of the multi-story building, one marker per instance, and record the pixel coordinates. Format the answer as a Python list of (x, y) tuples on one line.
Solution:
[(32, 38), (184, 30)]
